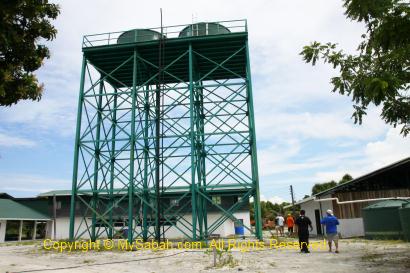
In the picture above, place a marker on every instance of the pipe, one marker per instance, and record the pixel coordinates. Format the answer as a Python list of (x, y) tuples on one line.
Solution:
[(358, 201)]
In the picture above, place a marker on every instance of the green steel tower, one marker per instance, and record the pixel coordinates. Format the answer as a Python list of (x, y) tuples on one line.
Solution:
[(164, 112)]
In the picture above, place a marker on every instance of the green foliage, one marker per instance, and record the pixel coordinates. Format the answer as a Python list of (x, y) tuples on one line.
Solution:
[(379, 73), (270, 210), (319, 187), (23, 24), (346, 178), (224, 257)]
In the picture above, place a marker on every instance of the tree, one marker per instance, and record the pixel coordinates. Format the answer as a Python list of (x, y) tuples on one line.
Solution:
[(379, 73), (346, 178), (23, 24), (319, 187), (269, 210)]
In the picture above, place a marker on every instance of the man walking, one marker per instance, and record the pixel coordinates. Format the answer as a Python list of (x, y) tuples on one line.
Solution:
[(303, 223), (280, 222), (331, 222)]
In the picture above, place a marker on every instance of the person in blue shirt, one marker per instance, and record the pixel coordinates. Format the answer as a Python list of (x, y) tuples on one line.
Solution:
[(331, 222)]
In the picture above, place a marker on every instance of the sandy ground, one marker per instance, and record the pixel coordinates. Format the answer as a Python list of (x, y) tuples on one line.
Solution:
[(354, 256)]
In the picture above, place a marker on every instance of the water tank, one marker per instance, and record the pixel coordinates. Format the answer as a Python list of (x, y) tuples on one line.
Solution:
[(201, 29), (138, 35), (404, 213), (381, 220)]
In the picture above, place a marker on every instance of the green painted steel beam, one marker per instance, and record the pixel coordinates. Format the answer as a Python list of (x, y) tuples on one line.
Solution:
[(76, 152)]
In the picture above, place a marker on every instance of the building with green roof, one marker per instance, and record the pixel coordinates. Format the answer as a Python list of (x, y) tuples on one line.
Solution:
[(19, 221)]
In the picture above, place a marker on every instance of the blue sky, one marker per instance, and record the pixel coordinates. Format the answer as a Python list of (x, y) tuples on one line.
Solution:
[(305, 134)]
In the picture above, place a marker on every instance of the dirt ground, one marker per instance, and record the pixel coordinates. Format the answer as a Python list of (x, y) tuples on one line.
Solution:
[(356, 255)]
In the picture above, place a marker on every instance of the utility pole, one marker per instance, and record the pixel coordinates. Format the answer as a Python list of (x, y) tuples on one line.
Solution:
[(293, 199)]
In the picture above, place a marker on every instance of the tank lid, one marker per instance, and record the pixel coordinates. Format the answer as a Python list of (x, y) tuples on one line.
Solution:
[(139, 35), (406, 205), (203, 28), (393, 203)]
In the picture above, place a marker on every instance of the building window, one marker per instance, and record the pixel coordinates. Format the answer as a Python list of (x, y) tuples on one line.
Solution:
[(237, 199), (12, 230), (41, 230), (174, 202), (216, 200), (119, 223), (58, 205)]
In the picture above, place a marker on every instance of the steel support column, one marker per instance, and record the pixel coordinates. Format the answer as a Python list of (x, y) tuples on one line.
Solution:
[(254, 157), (132, 153), (192, 140), (96, 161), (112, 162), (76, 151)]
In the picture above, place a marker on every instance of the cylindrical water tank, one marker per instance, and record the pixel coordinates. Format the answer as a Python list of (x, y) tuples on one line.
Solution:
[(138, 35), (381, 220), (404, 213), (201, 29)]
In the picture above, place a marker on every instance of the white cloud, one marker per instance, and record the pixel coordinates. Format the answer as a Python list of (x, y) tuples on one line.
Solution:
[(15, 141), (275, 43), (330, 125), (22, 184), (271, 162), (376, 154), (273, 199), (55, 113), (393, 148), (293, 102)]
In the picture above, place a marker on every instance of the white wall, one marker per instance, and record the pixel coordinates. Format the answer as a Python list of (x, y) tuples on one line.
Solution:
[(226, 229), (310, 208), (2, 230), (351, 227), (63, 228), (347, 227)]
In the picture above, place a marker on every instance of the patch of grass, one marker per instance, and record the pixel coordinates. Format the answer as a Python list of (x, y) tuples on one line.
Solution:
[(224, 257), (273, 264), (88, 261), (22, 243)]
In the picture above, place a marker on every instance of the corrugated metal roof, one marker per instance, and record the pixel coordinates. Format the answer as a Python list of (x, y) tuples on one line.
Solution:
[(4, 195), (366, 176), (169, 190), (56, 193), (38, 204), (12, 210)]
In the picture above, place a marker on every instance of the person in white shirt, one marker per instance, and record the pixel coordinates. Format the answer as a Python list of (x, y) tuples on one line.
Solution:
[(280, 222)]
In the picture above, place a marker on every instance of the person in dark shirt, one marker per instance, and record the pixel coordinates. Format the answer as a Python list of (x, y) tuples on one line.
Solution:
[(303, 222)]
